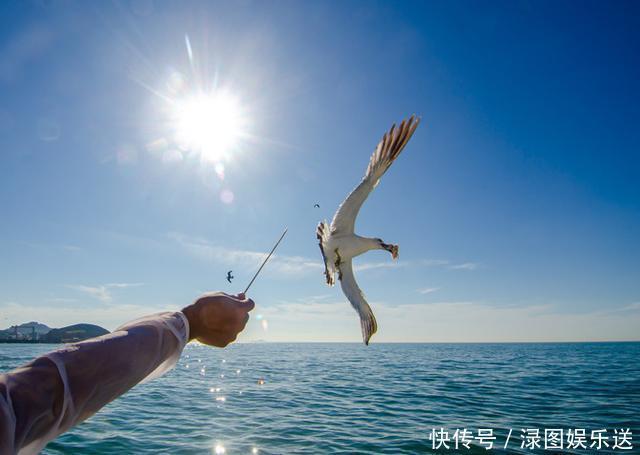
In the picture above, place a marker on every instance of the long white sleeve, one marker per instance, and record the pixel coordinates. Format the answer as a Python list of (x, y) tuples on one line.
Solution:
[(46, 397)]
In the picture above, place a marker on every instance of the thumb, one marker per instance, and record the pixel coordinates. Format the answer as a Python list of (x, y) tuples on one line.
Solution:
[(246, 304)]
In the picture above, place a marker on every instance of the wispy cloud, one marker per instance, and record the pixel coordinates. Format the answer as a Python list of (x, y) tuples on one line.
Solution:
[(60, 300), (434, 262), (123, 285), (446, 321), (55, 246), (280, 264), (291, 265), (632, 306), (428, 290), (464, 266), (109, 315), (444, 263), (101, 292), (378, 265)]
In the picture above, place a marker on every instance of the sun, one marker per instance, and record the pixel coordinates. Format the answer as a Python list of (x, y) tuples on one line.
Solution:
[(210, 124)]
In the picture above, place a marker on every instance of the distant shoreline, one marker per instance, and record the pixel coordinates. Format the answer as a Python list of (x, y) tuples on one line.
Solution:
[(26, 342)]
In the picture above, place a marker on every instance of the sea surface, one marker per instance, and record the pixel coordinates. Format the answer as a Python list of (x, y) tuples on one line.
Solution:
[(349, 398)]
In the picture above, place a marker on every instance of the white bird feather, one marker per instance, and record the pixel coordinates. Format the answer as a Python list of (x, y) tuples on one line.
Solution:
[(339, 243)]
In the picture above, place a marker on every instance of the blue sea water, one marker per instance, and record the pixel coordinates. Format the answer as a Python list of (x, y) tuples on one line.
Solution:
[(349, 398)]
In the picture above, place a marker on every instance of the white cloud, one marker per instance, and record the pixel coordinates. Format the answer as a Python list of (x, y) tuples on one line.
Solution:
[(101, 292), (60, 300), (291, 265), (464, 266), (440, 322), (108, 316), (378, 265), (279, 264), (322, 318), (444, 263), (123, 285), (435, 262), (55, 246), (428, 290), (632, 307)]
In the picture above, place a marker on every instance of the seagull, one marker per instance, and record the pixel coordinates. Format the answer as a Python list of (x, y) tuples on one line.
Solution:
[(229, 276), (316, 206), (339, 243)]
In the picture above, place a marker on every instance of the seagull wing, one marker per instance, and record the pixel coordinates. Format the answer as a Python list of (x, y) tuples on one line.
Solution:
[(385, 153), (358, 302), (322, 233)]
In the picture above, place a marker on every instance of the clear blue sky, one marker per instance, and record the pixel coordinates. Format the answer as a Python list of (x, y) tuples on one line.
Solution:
[(516, 205)]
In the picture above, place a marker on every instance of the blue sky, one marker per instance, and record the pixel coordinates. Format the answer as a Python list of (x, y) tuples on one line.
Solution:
[(516, 205)]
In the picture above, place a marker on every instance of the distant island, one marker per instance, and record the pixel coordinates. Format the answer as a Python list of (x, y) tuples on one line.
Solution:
[(36, 332)]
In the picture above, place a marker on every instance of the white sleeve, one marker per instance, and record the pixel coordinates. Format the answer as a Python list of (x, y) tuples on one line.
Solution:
[(46, 397)]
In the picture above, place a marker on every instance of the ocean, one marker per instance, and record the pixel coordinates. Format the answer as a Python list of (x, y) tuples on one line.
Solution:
[(384, 398)]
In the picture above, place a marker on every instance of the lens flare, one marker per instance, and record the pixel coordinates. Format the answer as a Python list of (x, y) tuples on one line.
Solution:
[(226, 196)]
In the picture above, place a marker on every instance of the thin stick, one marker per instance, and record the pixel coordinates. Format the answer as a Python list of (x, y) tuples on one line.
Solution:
[(265, 261)]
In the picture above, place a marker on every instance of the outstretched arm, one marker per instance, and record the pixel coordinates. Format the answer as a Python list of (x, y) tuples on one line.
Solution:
[(48, 396)]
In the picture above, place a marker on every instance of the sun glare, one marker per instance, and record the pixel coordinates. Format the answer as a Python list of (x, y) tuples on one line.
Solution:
[(209, 123)]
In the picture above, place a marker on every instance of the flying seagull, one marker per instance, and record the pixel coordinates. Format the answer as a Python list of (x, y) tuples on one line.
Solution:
[(316, 206), (229, 276), (339, 243)]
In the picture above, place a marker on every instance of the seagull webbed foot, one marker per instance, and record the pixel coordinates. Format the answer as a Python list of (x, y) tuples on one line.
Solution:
[(393, 249)]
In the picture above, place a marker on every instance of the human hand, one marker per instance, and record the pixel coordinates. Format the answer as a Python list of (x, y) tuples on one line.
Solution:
[(216, 319)]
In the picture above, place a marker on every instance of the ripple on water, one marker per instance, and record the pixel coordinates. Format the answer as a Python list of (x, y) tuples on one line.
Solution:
[(386, 398)]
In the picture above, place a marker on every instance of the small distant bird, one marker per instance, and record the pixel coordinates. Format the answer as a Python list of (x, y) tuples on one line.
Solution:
[(229, 276), (338, 242), (316, 206)]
